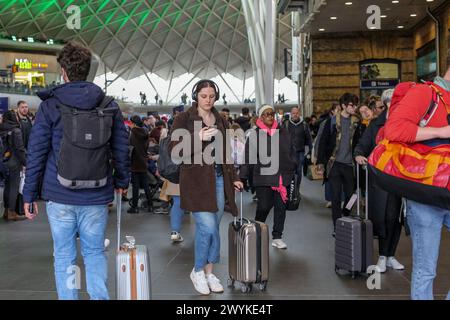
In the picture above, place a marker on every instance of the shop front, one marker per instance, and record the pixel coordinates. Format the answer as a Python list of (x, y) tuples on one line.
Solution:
[(26, 72)]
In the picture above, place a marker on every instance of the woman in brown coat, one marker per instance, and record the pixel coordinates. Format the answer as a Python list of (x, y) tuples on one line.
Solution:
[(205, 186)]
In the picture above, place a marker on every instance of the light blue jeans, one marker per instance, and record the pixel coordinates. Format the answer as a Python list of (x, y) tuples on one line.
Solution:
[(90, 223), (207, 237), (176, 214), (425, 223)]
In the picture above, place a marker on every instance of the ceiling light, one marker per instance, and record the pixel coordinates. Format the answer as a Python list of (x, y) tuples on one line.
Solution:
[(333, 18), (400, 27), (383, 16), (395, 1), (430, 0), (321, 29), (14, 38), (413, 15), (30, 39), (348, 3)]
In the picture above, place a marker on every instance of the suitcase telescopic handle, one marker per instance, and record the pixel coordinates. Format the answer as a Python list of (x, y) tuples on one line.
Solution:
[(358, 191), (241, 211), (119, 215)]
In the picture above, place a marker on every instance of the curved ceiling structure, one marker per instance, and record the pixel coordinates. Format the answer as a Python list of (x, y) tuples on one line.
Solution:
[(203, 37)]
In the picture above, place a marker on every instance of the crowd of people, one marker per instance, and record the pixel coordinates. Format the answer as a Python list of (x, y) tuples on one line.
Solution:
[(334, 141)]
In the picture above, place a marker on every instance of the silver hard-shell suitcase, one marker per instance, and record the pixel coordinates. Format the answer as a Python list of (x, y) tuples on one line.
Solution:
[(354, 238), (132, 266), (248, 253)]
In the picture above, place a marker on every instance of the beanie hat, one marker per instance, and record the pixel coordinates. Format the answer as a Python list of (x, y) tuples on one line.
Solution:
[(263, 108)]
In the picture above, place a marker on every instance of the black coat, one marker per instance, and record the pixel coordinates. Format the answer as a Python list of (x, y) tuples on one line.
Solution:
[(287, 160), (300, 135), (244, 123), (377, 197), (139, 143), (12, 134)]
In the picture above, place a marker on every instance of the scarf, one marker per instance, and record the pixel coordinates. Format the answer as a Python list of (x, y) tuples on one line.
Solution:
[(266, 129)]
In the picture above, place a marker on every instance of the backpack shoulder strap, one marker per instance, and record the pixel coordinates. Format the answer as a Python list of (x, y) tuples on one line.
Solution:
[(105, 102), (435, 93)]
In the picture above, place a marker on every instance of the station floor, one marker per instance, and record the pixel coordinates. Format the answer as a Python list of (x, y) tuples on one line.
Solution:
[(304, 271)]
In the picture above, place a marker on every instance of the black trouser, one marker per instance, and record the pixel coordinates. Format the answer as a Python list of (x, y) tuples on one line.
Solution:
[(140, 180), (393, 227), (268, 199), (11, 192), (341, 177)]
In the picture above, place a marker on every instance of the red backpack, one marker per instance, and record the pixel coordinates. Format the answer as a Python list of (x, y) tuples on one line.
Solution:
[(400, 92)]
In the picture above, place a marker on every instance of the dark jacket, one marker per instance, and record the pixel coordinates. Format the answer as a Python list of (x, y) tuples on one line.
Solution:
[(330, 141), (197, 181), (287, 162), (377, 197), (45, 142), (14, 140), (300, 134), (139, 142), (243, 122)]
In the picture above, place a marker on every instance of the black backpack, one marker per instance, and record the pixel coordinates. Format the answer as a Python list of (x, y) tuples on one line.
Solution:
[(5, 146), (84, 157), (166, 167)]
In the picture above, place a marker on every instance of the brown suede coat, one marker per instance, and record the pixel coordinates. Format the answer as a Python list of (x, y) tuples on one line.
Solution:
[(198, 182)]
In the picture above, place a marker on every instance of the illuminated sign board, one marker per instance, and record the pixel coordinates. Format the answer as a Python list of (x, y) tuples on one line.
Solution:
[(26, 64)]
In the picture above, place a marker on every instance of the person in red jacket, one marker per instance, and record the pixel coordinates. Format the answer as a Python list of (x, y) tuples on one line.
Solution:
[(425, 221)]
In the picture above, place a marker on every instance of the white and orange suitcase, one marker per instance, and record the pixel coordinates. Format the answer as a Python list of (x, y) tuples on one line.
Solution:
[(132, 267)]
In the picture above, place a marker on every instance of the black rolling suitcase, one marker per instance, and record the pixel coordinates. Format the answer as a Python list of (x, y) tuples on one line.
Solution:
[(354, 238)]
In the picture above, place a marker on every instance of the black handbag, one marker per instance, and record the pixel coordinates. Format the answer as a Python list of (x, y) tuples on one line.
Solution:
[(293, 193)]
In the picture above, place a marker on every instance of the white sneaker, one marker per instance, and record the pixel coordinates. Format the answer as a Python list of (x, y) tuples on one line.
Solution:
[(328, 204), (214, 283), (381, 264), (278, 243), (394, 264), (199, 281), (107, 242), (176, 237)]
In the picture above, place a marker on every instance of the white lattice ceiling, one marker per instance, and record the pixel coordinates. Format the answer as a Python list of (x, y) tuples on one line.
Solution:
[(134, 37)]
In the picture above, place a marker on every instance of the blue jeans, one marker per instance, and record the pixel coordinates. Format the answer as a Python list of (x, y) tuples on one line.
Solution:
[(425, 223), (90, 223), (176, 214), (207, 237)]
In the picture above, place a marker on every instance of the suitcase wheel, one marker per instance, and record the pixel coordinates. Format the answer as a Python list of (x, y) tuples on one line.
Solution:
[(230, 283), (263, 286), (246, 287)]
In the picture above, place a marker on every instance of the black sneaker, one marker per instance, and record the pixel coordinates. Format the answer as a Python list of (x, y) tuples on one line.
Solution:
[(161, 210), (133, 210)]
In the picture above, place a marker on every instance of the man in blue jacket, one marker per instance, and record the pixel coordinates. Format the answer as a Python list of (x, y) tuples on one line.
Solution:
[(74, 210)]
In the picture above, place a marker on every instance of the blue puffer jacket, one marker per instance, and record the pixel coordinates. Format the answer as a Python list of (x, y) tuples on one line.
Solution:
[(45, 141)]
